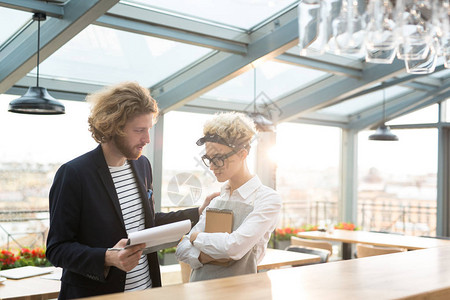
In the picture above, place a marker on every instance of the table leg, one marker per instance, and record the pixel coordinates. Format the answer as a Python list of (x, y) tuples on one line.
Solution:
[(347, 251)]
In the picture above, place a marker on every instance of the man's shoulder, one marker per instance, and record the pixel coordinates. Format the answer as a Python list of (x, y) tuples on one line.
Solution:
[(142, 162), (90, 155), (87, 159)]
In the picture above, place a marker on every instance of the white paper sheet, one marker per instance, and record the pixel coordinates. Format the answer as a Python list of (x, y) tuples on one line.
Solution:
[(55, 275), (160, 237), (23, 272)]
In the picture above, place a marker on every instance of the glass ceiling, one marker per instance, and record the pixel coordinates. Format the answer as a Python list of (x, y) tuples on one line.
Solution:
[(105, 56), (358, 104), (101, 55), (274, 79), (243, 14), (442, 74), (11, 21)]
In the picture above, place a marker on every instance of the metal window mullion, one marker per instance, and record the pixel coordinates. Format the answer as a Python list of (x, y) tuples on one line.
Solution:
[(443, 195), (348, 199), (155, 154)]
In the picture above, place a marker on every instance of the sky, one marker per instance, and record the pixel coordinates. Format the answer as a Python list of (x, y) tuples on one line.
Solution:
[(45, 139)]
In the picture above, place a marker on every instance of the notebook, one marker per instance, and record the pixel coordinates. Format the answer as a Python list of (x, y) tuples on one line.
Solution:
[(24, 272), (219, 220)]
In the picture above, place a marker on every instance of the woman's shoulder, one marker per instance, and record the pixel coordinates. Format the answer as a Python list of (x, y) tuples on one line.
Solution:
[(265, 193)]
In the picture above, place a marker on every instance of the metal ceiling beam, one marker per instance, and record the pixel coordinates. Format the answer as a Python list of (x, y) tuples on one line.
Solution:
[(19, 56), (203, 102), (178, 22), (400, 106), (141, 27), (414, 81), (425, 83), (60, 95), (315, 118), (329, 57), (418, 86), (320, 65), (222, 67), (200, 110), (419, 105), (333, 89), (431, 81), (373, 115), (52, 10), (60, 89)]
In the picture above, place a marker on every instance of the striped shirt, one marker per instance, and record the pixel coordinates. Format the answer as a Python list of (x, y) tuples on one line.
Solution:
[(133, 216)]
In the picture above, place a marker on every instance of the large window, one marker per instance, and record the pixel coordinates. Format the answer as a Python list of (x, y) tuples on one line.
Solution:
[(38, 145), (32, 147), (308, 173), (186, 181), (397, 180)]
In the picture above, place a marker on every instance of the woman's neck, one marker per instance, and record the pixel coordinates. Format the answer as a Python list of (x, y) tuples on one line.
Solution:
[(237, 181)]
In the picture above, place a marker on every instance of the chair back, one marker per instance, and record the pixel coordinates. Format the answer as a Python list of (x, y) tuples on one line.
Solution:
[(324, 254), (370, 250), (296, 241)]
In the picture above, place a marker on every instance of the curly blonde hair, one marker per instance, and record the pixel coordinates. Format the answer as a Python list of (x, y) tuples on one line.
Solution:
[(113, 106), (235, 128)]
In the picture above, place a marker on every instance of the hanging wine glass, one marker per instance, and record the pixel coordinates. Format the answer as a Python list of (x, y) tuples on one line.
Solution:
[(349, 27), (413, 30), (309, 35), (441, 26), (380, 40), (423, 66)]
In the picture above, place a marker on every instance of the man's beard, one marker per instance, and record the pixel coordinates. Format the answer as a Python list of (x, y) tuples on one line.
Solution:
[(127, 151)]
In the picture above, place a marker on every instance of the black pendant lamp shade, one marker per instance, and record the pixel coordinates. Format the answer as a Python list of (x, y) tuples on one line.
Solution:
[(37, 100), (383, 132)]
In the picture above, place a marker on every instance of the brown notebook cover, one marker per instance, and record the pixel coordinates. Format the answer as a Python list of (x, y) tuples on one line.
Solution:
[(219, 220)]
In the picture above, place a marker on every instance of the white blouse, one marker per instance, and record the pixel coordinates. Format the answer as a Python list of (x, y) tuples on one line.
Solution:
[(255, 230)]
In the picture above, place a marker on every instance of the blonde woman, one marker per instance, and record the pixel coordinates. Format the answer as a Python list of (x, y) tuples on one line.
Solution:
[(255, 207)]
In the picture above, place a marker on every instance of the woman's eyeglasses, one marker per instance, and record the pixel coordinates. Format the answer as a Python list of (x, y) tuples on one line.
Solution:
[(217, 160)]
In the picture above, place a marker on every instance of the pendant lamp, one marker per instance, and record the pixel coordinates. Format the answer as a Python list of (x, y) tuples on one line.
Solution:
[(383, 132), (262, 124), (37, 100)]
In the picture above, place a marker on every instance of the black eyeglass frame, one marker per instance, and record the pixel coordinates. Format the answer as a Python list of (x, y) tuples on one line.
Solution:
[(218, 158)]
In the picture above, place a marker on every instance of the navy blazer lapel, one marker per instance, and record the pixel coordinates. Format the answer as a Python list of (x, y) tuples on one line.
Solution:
[(143, 186), (105, 177)]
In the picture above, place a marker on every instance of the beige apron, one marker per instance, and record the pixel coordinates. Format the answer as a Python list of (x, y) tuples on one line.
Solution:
[(246, 265)]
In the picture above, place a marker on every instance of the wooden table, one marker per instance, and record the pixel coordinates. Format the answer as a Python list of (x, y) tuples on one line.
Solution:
[(38, 288), (348, 237), (276, 258), (31, 288), (421, 274)]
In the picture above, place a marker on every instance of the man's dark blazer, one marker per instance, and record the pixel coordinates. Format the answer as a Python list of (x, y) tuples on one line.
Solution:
[(86, 219)]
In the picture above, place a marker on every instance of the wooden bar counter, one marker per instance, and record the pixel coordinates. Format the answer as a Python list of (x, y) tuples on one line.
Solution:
[(420, 274)]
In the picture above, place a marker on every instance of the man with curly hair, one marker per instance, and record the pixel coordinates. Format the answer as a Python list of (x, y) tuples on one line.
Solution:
[(97, 199)]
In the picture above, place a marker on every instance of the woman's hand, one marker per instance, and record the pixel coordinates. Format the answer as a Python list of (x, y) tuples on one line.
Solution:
[(193, 237)]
